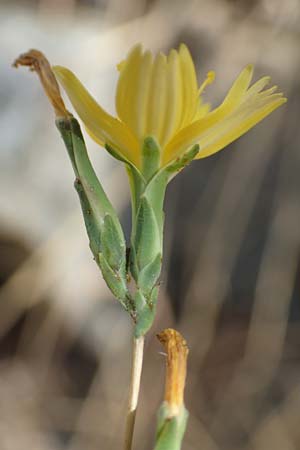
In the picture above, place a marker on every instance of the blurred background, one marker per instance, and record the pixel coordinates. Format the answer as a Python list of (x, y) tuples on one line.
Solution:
[(231, 272)]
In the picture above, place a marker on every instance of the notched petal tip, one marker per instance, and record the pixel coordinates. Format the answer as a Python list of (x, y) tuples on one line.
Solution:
[(183, 48), (281, 100), (37, 62), (249, 67), (245, 76), (248, 70), (137, 48), (173, 54), (185, 55)]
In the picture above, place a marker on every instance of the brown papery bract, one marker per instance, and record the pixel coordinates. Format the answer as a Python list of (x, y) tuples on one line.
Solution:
[(37, 62)]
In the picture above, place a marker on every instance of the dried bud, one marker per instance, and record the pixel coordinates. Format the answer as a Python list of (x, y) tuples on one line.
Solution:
[(177, 352), (39, 63)]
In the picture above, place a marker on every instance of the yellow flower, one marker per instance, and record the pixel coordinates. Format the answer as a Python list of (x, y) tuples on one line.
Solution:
[(159, 97)]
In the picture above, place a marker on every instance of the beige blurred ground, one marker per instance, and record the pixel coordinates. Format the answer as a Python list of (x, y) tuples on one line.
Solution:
[(231, 275)]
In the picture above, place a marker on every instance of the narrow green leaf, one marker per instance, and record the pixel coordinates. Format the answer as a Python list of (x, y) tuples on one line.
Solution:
[(90, 223), (137, 187), (115, 280), (97, 198), (145, 314), (150, 157), (113, 245), (148, 276), (134, 270), (147, 242), (155, 194), (64, 127)]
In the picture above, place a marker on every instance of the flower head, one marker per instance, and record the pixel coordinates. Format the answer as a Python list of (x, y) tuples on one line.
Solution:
[(160, 97)]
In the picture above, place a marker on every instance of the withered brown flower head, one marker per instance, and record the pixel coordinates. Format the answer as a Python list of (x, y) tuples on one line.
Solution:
[(177, 351)]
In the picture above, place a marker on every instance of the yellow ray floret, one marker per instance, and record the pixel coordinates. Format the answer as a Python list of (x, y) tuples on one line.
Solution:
[(159, 96)]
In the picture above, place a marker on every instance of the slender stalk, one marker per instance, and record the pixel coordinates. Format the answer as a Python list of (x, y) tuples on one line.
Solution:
[(135, 381)]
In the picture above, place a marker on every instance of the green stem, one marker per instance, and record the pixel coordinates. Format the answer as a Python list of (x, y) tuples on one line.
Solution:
[(135, 381)]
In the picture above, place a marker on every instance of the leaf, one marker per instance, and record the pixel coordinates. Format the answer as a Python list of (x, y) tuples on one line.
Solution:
[(155, 194), (113, 245), (90, 223), (116, 281), (148, 276), (150, 157), (145, 314), (133, 264), (147, 240), (93, 189), (64, 127)]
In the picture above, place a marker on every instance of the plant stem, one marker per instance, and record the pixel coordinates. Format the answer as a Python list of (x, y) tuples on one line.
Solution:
[(135, 380)]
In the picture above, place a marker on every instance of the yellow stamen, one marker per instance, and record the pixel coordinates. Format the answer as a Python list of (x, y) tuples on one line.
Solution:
[(210, 78)]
